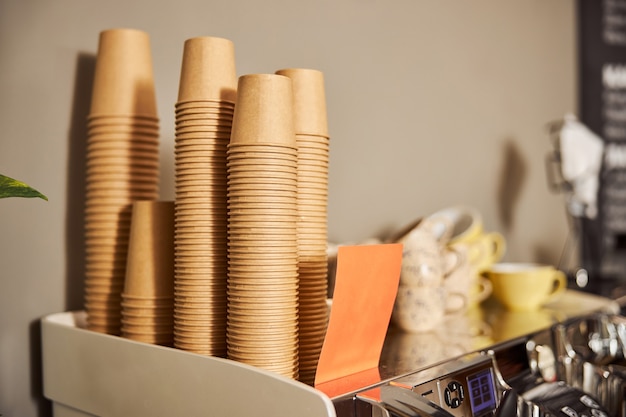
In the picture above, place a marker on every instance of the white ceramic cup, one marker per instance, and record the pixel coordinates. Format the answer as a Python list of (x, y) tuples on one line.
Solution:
[(421, 309)]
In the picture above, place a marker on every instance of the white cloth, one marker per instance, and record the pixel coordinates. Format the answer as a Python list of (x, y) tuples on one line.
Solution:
[(581, 160)]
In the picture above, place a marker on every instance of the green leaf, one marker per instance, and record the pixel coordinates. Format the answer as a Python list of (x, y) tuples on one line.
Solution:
[(10, 187)]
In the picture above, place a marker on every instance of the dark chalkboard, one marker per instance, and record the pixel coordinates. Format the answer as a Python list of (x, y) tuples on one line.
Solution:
[(602, 100)]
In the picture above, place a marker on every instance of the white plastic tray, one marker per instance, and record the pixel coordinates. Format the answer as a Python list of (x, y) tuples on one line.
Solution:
[(87, 373)]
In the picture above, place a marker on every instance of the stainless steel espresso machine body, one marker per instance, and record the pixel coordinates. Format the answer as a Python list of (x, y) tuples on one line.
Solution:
[(574, 368)]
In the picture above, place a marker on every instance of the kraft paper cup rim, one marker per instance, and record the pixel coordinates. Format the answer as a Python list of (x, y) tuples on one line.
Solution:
[(114, 210), (276, 353), (200, 138), (122, 140), (275, 264), (122, 135), (261, 339), (191, 267), (191, 272), (262, 168), (205, 102), (96, 167), (117, 117), (208, 182), (200, 176), (209, 131), (131, 195), (202, 143), (265, 260), (130, 298), (200, 327), (308, 144), (211, 157), (262, 315), (255, 224), (199, 322), (267, 164), (252, 287), (148, 314), (269, 295), (121, 154), (279, 271), (268, 206), (255, 321), (143, 164), (212, 115), (244, 239), (122, 186), (205, 107), (261, 149), (149, 324), (131, 125), (198, 293), (202, 120), (262, 177), (124, 146), (262, 188), (199, 211), (271, 177), (259, 327), (256, 229), (276, 211)]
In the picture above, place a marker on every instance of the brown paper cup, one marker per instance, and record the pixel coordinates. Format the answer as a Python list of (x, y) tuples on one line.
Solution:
[(124, 80), (150, 270), (208, 70), (309, 100), (264, 111)]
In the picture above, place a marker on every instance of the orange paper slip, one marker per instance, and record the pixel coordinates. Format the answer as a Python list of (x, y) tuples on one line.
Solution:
[(366, 284)]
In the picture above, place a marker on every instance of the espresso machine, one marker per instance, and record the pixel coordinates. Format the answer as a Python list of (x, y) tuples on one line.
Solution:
[(573, 368)]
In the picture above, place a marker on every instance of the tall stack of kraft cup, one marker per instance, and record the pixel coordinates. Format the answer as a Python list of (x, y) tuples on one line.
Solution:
[(122, 166), (204, 117), (262, 326), (312, 140)]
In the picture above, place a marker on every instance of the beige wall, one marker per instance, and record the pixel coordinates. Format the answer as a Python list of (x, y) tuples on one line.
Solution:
[(431, 103)]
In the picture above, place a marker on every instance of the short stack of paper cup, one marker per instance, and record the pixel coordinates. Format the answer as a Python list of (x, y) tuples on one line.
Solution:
[(262, 325), (122, 166), (204, 117), (312, 138), (148, 296)]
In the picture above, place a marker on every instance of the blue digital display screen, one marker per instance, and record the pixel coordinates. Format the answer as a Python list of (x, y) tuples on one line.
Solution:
[(482, 392)]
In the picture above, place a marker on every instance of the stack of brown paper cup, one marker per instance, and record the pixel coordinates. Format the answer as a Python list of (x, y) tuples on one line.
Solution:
[(204, 117), (312, 139), (148, 296), (122, 166), (262, 328)]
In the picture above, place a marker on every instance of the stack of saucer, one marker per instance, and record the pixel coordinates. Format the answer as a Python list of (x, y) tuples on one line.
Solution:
[(122, 166), (313, 154), (262, 327), (204, 117), (148, 296)]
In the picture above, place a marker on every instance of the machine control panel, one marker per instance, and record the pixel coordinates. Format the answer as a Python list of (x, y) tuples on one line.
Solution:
[(469, 391)]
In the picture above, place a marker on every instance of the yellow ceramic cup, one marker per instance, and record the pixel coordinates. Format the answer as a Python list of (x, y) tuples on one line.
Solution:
[(525, 286), (485, 249), (466, 223)]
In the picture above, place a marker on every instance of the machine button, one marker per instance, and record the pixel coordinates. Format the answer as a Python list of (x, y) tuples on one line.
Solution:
[(454, 394), (569, 411)]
